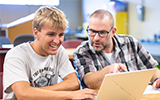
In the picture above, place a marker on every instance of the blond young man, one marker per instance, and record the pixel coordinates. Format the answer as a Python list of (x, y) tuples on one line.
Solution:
[(31, 69)]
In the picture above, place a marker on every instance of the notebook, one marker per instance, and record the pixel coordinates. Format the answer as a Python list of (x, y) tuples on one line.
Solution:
[(125, 85)]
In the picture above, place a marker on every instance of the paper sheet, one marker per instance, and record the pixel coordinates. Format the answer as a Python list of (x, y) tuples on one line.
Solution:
[(149, 90)]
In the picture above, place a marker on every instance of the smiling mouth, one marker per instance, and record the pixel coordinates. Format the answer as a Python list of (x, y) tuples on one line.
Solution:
[(54, 46)]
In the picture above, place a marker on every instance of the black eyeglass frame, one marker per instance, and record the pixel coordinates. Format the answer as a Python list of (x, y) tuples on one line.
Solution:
[(98, 32)]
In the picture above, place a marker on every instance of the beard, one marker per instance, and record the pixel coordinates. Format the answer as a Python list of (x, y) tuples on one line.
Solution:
[(102, 47)]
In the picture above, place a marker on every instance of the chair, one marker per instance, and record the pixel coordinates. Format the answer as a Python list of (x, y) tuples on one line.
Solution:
[(3, 52), (4, 40), (23, 38), (71, 43), (1, 85)]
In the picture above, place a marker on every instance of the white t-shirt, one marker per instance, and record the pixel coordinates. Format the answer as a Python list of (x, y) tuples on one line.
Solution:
[(22, 63), (110, 57)]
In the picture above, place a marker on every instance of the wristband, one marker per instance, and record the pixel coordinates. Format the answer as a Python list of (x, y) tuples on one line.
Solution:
[(157, 79)]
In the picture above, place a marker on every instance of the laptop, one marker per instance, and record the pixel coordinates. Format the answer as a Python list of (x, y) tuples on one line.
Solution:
[(125, 85)]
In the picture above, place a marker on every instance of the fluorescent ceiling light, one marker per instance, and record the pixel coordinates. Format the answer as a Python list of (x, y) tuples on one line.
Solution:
[(30, 2)]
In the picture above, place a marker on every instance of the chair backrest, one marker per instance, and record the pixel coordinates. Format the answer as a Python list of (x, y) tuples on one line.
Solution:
[(1, 85), (23, 38), (71, 43), (4, 40), (3, 52)]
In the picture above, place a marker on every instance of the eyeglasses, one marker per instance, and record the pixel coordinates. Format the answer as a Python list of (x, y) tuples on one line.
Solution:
[(102, 34)]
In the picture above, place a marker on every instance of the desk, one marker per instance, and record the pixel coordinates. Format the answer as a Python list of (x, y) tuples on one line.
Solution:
[(81, 36), (144, 97), (153, 49), (151, 97), (70, 52)]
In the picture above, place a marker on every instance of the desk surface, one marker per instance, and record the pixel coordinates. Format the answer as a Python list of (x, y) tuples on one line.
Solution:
[(152, 48), (151, 97), (144, 97)]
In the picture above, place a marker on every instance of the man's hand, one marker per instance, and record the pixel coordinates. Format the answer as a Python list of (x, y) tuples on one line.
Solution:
[(156, 84), (83, 94), (115, 68), (94, 79)]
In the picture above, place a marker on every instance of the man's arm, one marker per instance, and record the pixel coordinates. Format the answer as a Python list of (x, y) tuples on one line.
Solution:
[(69, 83), (94, 79), (24, 91)]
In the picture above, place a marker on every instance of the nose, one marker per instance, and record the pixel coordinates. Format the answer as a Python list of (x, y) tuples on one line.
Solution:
[(97, 37), (56, 39)]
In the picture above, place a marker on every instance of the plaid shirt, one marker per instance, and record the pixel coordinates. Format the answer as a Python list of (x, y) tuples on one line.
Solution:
[(127, 50)]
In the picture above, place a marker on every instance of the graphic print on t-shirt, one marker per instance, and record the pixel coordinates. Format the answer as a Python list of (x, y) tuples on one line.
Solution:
[(44, 80), (43, 77)]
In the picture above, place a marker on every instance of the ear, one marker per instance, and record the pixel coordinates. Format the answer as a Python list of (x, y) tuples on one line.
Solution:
[(35, 32), (114, 31)]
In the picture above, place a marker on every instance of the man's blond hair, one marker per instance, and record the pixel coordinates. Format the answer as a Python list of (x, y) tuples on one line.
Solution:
[(50, 16)]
